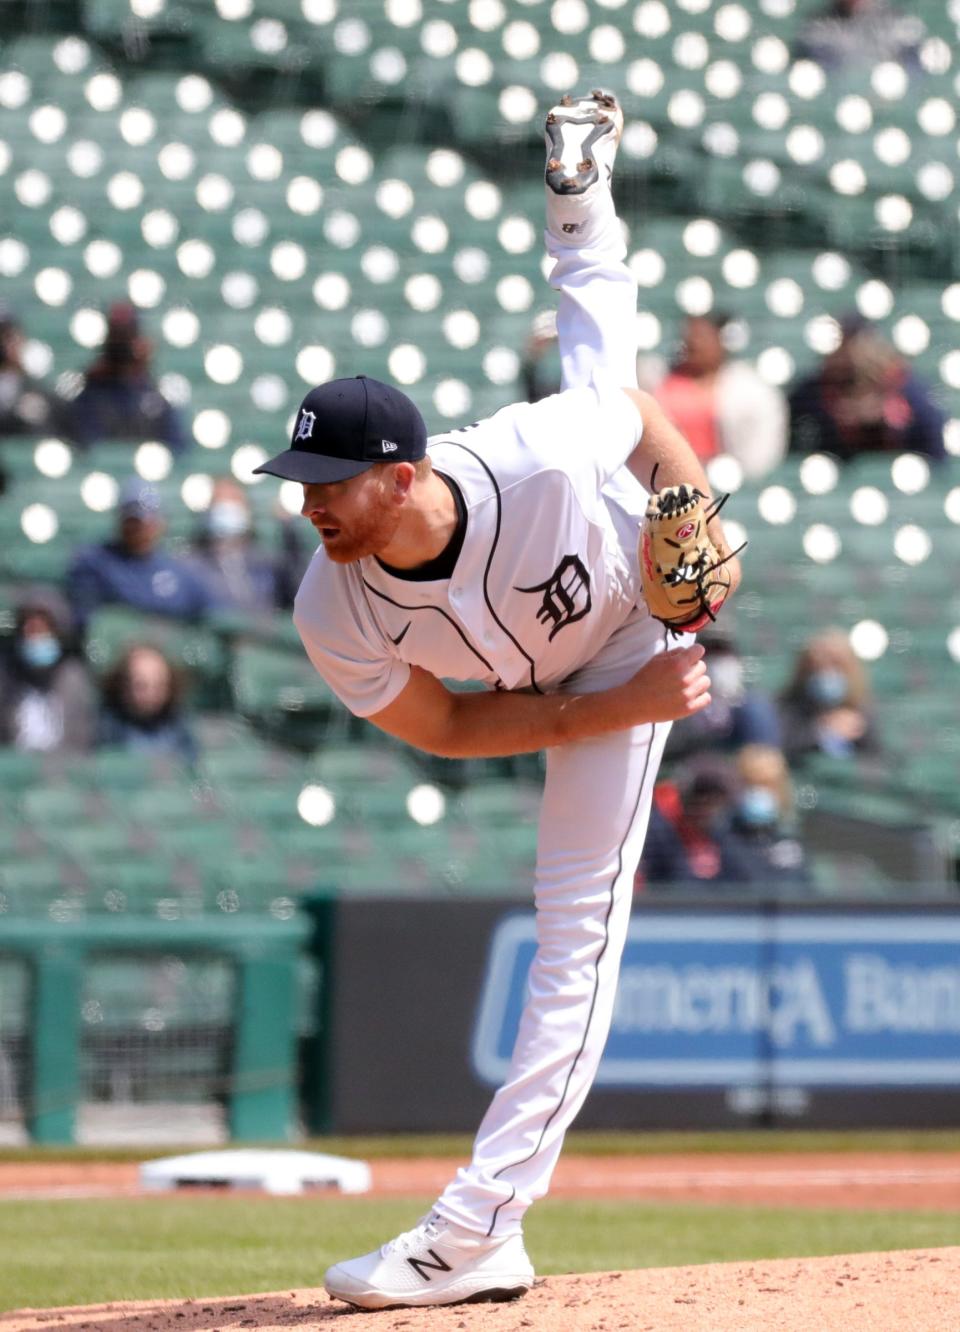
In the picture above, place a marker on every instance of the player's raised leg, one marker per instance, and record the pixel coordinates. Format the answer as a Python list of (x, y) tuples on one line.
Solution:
[(596, 292)]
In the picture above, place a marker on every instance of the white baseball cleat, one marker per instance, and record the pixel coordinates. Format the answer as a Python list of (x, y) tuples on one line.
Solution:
[(435, 1263), (582, 135)]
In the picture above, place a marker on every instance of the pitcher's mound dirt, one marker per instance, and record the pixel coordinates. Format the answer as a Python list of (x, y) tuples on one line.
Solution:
[(910, 1291)]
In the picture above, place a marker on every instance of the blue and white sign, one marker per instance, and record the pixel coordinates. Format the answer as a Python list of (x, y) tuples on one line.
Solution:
[(785, 1000)]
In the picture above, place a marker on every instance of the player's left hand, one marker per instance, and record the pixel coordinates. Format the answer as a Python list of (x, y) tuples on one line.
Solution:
[(687, 568)]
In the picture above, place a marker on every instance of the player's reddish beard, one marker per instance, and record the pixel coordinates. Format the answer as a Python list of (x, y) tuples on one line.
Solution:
[(360, 519)]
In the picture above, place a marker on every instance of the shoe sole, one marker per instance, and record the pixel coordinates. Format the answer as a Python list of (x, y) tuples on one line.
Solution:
[(604, 116), (492, 1295)]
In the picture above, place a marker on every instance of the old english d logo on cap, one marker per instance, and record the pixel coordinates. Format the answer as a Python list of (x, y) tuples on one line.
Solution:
[(305, 426), (347, 425)]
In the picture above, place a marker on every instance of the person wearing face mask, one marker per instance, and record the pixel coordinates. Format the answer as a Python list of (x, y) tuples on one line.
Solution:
[(239, 573), (826, 708), (725, 826), (142, 705), (46, 698), (738, 713), (686, 847), (759, 833), (120, 398)]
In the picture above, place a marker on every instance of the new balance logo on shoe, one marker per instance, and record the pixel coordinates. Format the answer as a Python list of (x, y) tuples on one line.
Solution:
[(450, 1265), (438, 1265)]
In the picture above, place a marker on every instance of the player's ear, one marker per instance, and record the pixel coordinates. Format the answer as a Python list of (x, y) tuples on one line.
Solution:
[(404, 475)]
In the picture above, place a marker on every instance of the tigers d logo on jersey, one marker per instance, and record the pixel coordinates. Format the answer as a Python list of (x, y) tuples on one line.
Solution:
[(566, 595)]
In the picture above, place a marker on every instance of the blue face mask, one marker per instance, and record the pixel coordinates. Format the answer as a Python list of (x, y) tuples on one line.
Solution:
[(827, 687), (227, 518), (40, 651), (757, 806)]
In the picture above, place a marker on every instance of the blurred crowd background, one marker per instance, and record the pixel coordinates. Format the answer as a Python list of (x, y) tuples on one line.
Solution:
[(210, 206)]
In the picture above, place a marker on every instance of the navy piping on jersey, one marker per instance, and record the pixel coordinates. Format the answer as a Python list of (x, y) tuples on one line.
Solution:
[(593, 1000), (493, 550), (449, 618)]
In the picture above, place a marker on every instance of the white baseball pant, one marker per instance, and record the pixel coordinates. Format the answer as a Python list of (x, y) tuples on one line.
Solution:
[(593, 820)]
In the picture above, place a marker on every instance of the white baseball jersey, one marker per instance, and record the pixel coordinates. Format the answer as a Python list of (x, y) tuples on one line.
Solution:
[(547, 572)]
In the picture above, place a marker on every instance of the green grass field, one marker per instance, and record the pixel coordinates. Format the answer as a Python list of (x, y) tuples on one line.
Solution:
[(80, 1252)]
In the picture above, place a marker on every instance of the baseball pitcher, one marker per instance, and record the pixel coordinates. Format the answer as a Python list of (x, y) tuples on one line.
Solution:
[(508, 552)]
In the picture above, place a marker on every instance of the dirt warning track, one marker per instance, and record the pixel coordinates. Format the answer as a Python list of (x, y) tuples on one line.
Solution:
[(841, 1179)]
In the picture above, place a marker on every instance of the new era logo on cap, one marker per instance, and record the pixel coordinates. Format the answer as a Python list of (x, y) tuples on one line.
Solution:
[(388, 446)]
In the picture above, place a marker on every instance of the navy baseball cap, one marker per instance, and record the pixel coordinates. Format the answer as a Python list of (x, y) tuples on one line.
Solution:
[(345, 426), (137, 499)]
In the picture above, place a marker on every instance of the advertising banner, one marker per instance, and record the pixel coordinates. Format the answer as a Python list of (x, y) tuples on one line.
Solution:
[(775, 999)]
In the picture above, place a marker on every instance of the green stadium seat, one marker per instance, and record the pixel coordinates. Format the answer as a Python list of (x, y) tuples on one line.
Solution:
[(83, 842), (17, 771), (29, 888), (363, 766), (125, 770), (498, 804), (149, 887), (280, 691), (49, 806)]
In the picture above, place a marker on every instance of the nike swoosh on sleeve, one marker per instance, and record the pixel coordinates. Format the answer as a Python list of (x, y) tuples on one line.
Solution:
[(402, 634)]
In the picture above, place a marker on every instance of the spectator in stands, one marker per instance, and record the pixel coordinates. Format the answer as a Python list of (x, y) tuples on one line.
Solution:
[(738, 714), (119, 398), (827, 708), (860, 33), (238, 571), (720, 403), (759, 830), (540, 364), (26, 407), (142, 705), (46, 699), (864, 398), (683, 847), (134, 569), (725, 826)]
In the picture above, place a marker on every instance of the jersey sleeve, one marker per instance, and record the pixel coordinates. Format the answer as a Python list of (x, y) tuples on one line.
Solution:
[(596, 427), (344, 641)]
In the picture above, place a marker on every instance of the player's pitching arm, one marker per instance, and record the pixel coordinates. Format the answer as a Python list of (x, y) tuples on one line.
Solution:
[(431, 717), (663, 452)]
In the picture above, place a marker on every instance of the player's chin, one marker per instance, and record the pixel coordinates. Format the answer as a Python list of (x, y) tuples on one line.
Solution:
[(340, 553), (341, 550)]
